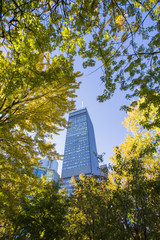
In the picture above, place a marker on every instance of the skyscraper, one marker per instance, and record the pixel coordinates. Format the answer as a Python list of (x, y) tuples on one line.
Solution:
[(48, 169), (80, 147)]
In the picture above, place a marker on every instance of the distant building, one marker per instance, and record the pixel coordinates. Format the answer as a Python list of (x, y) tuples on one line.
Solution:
[(49, 164), (48, 169), (80, 148)]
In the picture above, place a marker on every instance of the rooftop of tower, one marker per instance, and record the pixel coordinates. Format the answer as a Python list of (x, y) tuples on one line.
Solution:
[(79, 111)]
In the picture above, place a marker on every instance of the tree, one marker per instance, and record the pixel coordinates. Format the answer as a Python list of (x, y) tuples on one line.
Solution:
[(36, 90), (88, 216), (126, 40), (16, 184), (135, 179), (34, 98), (43, 215), (93, 212)]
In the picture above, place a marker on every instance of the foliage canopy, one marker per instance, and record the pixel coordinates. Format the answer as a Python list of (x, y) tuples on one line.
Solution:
[(123, 35), (37, 85), (36, 90)]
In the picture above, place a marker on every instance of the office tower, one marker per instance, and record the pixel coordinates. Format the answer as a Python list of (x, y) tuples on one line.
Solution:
[(48, 169), (80, 147)]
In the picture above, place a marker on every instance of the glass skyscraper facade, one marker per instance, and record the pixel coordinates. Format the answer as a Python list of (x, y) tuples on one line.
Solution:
[(50, 174), (80, 147), (47, 169)]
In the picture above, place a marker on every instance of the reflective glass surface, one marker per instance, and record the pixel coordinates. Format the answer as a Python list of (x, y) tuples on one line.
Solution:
[(80, 146)]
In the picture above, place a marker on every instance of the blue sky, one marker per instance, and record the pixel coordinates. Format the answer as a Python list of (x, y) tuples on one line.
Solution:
[(106, 117)]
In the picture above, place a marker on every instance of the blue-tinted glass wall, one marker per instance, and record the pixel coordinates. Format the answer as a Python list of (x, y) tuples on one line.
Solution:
[(80, 146)]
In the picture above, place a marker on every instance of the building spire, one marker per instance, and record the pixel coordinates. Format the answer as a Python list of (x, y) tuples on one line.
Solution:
[(82, 104)]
